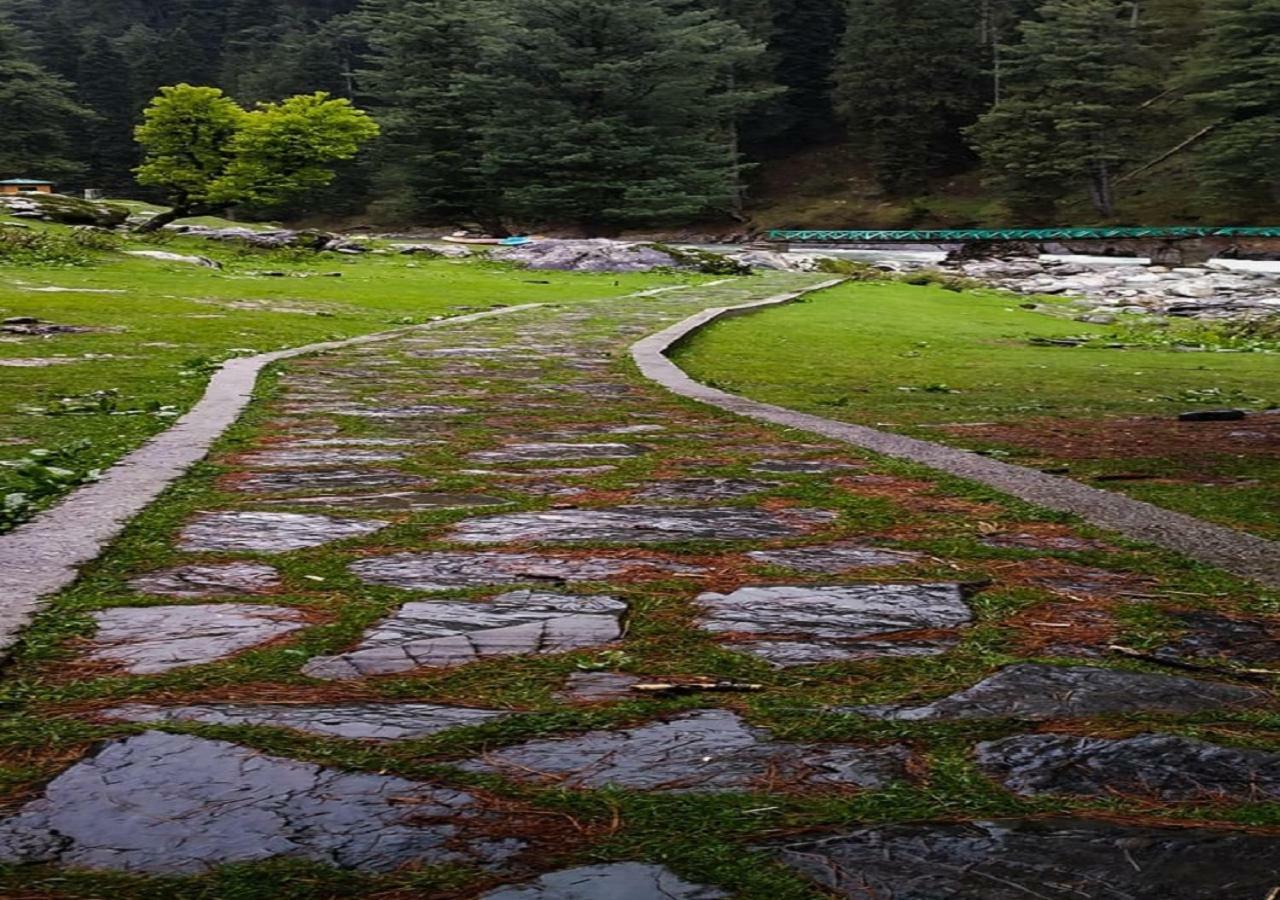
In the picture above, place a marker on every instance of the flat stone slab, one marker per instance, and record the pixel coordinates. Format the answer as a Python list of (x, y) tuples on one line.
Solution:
[(617, 881), (170, 803), (1212, 636), (442, 571), (145, 640), (325, 480), (224, 579), (1037, 692), (594, 687), (270, 532), (1163, 766), (834, 559), (803, 467), (438, 634), (285, 459), (1060, 543), (394, 501), (555, 451), (838, 611), (784, 654), (418, 411), (707, 750), (352, 721), (1053, 859), (706, 489), (640, 524)]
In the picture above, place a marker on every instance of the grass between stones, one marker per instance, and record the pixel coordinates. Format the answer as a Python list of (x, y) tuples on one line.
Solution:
[(49, 693), (961, 368)]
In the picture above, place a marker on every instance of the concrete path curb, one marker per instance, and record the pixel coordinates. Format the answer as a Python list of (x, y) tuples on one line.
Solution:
[(1235, 551), (44, 555)]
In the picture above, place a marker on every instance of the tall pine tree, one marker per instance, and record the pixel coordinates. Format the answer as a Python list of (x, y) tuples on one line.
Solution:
[(40, 115)]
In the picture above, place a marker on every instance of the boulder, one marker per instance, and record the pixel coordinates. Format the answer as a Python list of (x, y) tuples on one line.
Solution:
[(600, 255), (63, 210)]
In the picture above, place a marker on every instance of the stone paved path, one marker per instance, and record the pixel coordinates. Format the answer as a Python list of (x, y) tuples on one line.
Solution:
[(483, 604)]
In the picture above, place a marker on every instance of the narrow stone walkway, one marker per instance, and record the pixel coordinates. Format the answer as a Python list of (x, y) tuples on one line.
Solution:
[(479, 612)]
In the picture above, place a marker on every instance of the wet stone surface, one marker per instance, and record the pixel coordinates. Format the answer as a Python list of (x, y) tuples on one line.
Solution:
[(352, 721), (442, 571), (554, 452), (1053, 859), (167, 803), (226, 579), (833, 559), (283, 459), (640, 524), (394, 501), (1163, 766), (270, 532), (803, 467), (784, 654), (617, 881), (325, 480), (1061, 543), (708, 750), (1038, 692), (1211, 636), (594, 687), (145, 640), (437, 633), (706, 489), (838, 611)]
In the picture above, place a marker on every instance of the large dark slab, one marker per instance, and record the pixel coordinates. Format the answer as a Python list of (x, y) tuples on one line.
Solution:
[(1212, 636), (616, 881), (1045, 859), (640, 524), (170, 803), (442, 571)]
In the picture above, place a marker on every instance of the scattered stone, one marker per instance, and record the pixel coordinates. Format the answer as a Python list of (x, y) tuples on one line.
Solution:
[(357, 442), (439, 634), (283, 459), (1026, 541), (63, 210), (176, 804), (225, 579), (1019, 859), (1213, 415), (1162, 766), (542, 451), (1040, 692), (151, 639), (617, 881), (706, 489), (802, 467), (784, 654), (350, 721), (593, 687), (442, 571), (325, 480), (598, 255), (29, 326), (38, 362), (420, 411), (1212, 636), (165, 256), (842, 611), (640, 524), (394, 501), (834, 559), (707, 750), (270, 532)]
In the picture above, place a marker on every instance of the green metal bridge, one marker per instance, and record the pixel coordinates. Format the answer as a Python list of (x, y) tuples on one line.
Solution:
[(1038, 235)]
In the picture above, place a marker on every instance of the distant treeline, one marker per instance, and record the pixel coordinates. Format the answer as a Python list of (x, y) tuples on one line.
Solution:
[(655, 112)]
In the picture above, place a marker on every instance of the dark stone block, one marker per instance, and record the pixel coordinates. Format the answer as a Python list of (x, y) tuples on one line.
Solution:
[(640, 524), (616, 881)]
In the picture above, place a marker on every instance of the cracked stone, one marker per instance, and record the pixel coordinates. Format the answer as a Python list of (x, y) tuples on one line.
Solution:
[(554, 451), (1038, 692), (640, 524), (802, 467), (839, 611), (394, 501), (441, 571), (1163, 766), (176, 804), (226, 579), (784, 654), (283, 459), (149, 639), (268, 532), (617, 881), (1054, 859), (325, 480), (707, 489), (1212, 636), (834, 559), (592, 687), (351, 721), (439, 634), (707, 750)]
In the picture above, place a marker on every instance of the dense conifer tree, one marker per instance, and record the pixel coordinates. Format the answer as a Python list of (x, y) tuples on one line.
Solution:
[(39, 113)]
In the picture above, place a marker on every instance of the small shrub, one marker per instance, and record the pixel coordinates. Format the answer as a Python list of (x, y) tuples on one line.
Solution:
[(851, 269), (934, 278), (20, 247), (703, 261)]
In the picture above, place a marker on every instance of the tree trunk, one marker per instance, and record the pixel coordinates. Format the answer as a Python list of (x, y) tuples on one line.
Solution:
[(1103, 195), (158, 221)]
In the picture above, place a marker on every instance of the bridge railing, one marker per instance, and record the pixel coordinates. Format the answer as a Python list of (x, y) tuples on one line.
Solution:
[(966, 235)]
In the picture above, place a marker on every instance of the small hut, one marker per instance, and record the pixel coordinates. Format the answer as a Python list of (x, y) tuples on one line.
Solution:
[(25, 186)]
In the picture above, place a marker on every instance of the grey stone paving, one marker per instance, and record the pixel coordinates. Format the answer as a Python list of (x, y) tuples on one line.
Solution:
[(338, 456), (438, 633), (593, 687), (220, 579), (1045, 859), (554, 452), (838, 611), (325, 480), (1036, 692), (640, 524), (803, 467), (783, 654), (1061, 543), (167, 803), (692, 489), (834, 559), (393, 501), (708, 750), (1163, 766), (352, 721), (270, 532), (1210, 636), (145, 640), (442, 571), (617, 881)]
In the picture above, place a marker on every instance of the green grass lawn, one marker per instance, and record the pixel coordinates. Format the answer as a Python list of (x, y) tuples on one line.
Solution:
[(912, 358), (165, 326)]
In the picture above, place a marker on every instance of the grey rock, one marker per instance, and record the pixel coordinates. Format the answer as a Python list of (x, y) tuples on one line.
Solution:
[(586, 256), (440, 634), (1163, 766), (802, 467), (1036, 692), (840, 611), (270, 532), (351, 721), (418, 411), (284, 459), (592, 687), (165, 256), (639, 524), (1212, 636), (617, 881), (784, 654), (325, 480), (550, 450), (442, 571), (834, 559), (706, 489), (394, 501), (1024, 541), (1048, 859), (150, 639), (707, 750), (225, 579), (176, 804)]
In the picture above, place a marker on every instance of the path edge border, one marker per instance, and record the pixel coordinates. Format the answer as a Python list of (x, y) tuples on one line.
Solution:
[(44, 556), (1237, 552)]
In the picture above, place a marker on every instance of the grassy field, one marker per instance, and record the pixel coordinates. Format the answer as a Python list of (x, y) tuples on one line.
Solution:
[(964, 368), (158, 330)]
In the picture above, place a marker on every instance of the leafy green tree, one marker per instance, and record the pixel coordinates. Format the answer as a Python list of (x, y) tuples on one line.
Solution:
[(40, 115), (207, 153), (1072, 110)]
